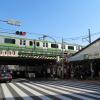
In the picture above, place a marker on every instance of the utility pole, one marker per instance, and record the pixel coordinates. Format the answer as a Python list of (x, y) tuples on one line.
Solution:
[(62, 67), (89, 36)]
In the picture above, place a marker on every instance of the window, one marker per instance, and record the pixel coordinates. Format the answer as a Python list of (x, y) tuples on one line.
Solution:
[(43, 44), (30, 43), (46, 44), (37, 44), (22, 42), (7, 40), (54, 46), (71, 47)]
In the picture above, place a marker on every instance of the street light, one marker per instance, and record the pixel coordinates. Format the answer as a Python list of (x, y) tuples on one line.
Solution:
[(12, 22)]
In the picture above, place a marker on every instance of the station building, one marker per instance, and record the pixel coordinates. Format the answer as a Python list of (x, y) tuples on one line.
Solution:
[(85, 63)]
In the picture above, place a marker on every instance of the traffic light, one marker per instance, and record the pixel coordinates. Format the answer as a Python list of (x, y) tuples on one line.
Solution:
[(20, 33)]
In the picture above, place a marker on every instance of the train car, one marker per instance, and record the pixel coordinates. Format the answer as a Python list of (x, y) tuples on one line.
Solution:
[(33, 44)]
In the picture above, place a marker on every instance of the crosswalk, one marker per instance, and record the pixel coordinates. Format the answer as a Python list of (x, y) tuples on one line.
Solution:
[(49, 90)]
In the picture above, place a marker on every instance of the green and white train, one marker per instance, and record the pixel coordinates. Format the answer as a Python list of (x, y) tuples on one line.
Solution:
[(31, 45)]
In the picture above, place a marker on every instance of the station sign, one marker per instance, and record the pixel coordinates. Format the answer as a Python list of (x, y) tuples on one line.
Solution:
[(9, 53)]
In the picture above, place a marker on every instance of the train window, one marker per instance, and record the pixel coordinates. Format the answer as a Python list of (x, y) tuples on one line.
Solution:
[(54, 46), (46, 44), (43, 44), (22, 42), (37, 44), (71, 47), (30, 43), (7, 40)]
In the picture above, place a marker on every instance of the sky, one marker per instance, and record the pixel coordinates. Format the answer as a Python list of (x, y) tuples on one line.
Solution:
[(67, 19)]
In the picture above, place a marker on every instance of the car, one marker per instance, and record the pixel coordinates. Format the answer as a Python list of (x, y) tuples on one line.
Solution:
[(5, 77)]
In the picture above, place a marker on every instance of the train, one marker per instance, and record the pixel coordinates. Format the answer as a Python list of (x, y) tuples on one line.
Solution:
[(11, 41)]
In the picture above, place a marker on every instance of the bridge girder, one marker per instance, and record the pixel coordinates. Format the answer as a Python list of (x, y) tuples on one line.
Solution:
[(24, 61)]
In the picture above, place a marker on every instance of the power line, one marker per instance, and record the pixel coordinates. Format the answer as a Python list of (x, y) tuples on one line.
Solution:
[(70, 38), (10, 30), (81, 37)]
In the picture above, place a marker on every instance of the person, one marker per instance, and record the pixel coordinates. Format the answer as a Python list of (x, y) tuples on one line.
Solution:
[(31, 75), (72, 74)]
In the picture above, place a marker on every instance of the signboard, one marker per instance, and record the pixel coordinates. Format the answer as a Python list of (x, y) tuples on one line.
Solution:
[(9, 53), (58, 59), (14, 22)]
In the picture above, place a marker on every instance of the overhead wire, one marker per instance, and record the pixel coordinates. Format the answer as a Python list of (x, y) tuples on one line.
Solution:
[(3, 30), (10, 30)]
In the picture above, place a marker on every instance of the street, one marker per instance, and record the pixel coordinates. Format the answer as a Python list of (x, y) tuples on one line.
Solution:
[(22, 89)]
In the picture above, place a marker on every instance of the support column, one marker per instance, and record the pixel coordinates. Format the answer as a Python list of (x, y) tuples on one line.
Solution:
[(92, 70), (72, 72)]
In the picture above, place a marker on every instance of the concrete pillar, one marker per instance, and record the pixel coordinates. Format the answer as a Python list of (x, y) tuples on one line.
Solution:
[(72, 72), (59, 72), (92, 70)]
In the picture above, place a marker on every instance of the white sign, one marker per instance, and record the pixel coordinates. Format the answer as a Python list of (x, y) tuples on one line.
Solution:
[(58, 59), (9, 53), (14, 22)]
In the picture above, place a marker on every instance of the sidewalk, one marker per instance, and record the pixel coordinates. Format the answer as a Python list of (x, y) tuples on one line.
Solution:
[(93, 81)]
